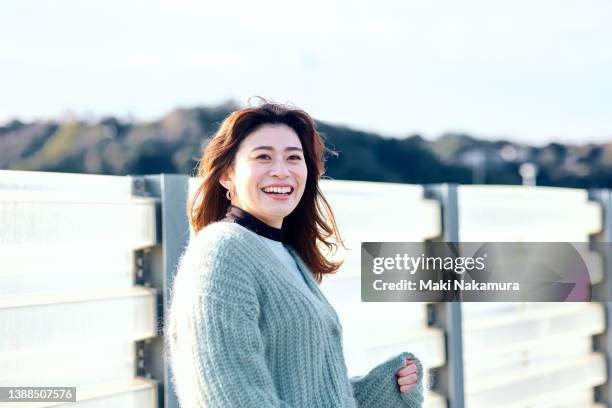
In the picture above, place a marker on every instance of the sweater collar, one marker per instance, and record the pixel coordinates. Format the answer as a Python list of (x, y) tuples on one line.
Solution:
[(247, 220)]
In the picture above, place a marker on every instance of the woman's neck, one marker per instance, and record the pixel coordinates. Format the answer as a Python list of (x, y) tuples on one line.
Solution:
[(247, 220)]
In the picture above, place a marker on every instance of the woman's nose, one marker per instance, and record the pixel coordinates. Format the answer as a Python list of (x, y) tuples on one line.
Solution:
[(280, 169)]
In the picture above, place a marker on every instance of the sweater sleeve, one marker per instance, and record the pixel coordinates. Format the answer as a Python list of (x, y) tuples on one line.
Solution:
[(379, 388), (214, 343)]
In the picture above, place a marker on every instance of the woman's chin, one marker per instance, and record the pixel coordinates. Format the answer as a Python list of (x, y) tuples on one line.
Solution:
[(279, 211)]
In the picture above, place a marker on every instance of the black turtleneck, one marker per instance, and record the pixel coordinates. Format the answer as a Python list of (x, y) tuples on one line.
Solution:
[(240, 216)]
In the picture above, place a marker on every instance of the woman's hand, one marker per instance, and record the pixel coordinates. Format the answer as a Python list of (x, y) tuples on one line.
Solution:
[(407, 376)]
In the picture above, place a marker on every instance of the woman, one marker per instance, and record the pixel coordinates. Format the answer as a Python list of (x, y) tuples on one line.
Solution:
[(248, 325)]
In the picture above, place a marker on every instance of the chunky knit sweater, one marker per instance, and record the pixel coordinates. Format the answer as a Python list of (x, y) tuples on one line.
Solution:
[(241, 334)]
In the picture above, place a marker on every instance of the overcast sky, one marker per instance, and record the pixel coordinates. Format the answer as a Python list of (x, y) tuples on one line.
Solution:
[(527, 70)]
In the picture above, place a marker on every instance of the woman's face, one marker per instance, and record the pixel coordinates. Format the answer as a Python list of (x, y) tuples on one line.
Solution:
[(269, 174)]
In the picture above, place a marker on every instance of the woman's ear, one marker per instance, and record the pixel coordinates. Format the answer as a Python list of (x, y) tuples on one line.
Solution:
[(225, 183), (225, 180)]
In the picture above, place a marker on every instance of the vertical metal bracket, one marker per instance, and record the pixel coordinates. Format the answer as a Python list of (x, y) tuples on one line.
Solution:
[(602, 292), (145, 349), (155, 269), (448, 379), (142, 267)]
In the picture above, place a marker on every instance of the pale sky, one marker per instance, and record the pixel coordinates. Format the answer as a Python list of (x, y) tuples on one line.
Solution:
[(532, 71)]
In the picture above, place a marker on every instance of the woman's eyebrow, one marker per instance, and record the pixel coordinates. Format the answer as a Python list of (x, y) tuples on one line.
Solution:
[(290, 148)]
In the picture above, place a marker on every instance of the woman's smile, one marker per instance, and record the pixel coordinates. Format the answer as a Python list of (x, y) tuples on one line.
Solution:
[(279, 192)]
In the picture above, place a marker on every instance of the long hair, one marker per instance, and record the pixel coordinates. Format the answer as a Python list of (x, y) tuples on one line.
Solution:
[(312, 223)]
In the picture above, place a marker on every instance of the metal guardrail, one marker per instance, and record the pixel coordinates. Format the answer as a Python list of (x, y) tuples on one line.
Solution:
[(154, 266)]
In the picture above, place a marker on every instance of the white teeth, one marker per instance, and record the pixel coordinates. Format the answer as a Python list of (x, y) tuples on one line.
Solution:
[(277, 190)]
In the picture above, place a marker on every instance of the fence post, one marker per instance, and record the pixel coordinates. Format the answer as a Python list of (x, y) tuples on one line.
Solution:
[(170, 192), (602, 292), (447, 315)]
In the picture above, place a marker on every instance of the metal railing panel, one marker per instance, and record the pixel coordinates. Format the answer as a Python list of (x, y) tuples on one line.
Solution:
[(138, 392), (527, 388), (526, 214), (39, 321), (74, 364), (31, 217), (85, 184), (39, 268)]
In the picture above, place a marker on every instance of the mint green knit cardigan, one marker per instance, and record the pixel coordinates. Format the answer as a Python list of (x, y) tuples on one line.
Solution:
[(241, 334)]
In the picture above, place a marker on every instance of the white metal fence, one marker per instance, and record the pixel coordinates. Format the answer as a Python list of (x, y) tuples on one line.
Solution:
[(85, 263), (531, 354), (70, 313)]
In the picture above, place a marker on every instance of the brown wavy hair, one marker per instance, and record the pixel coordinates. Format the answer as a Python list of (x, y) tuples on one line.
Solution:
[(312, 223)]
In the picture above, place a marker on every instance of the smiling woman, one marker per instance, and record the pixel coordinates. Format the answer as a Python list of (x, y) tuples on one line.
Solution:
[(248, 325), (269, 173)]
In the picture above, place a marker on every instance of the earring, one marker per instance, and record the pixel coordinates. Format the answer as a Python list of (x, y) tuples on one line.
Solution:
[(228, 195)]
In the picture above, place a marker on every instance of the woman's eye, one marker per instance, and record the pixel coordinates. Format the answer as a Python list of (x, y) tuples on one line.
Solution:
[(263, 156), (295, 157)]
